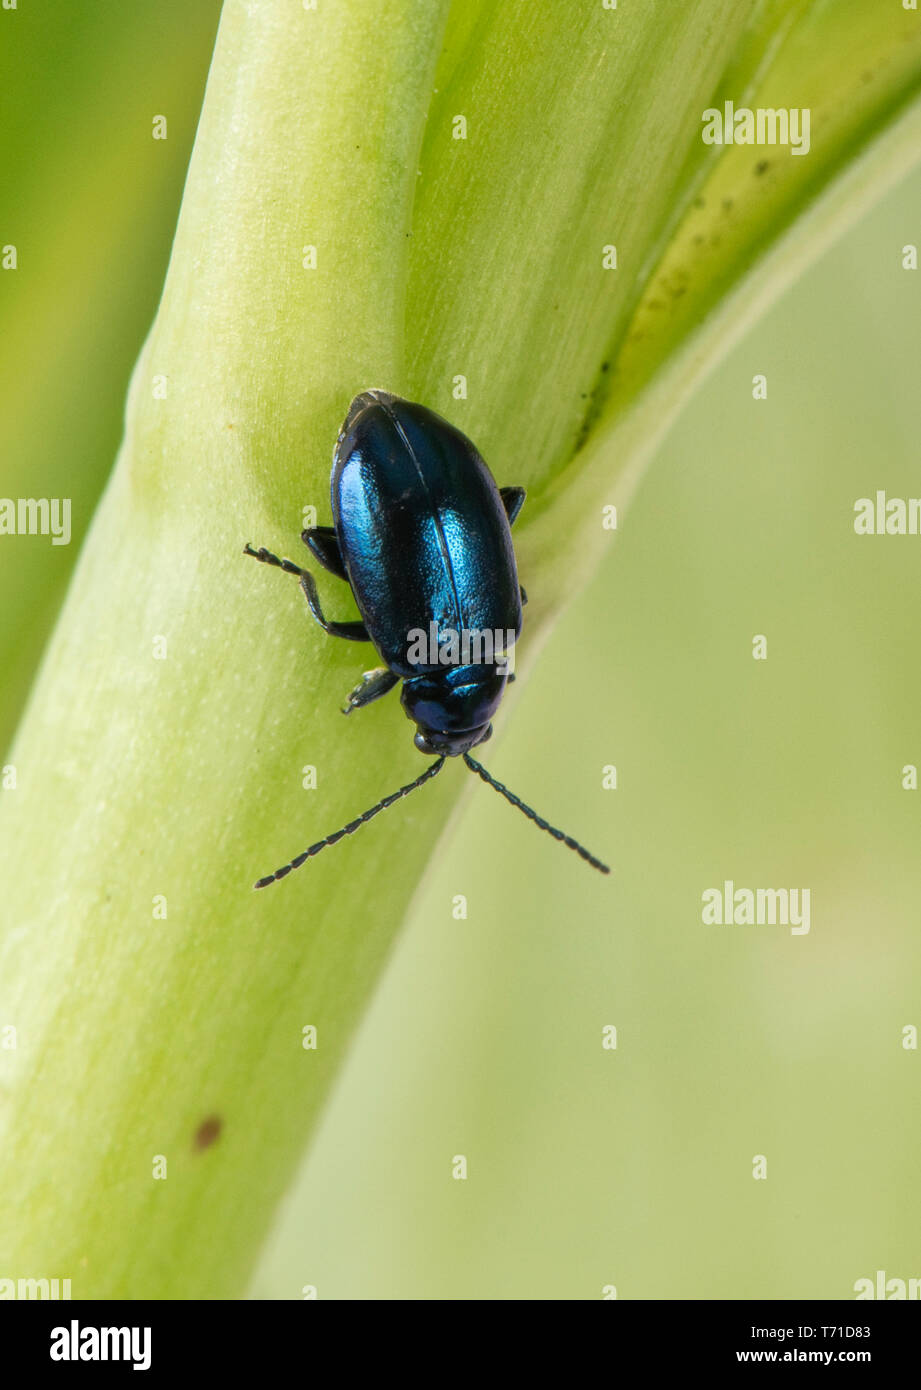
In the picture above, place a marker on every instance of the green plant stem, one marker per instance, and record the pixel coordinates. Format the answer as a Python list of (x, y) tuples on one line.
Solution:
[(152, 774)]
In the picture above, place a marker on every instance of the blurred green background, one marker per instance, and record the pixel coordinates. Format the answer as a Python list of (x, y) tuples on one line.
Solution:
[(634, 1167), (586, 1167), (90, 200)]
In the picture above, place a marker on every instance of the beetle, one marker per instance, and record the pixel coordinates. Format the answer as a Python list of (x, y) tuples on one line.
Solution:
[(422, 536)]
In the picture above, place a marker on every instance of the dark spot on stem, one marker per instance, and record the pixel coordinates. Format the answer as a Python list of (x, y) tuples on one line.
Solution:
[(207, 1132), (762, 166)]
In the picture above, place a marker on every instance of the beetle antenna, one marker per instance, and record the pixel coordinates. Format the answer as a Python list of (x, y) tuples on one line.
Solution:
[(353, 825), (532, 815)]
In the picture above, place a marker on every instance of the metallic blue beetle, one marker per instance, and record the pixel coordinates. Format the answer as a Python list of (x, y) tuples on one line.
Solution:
[(422, 536)]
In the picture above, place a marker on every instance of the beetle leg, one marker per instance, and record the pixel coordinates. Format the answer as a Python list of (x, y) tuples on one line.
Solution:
[(353, 632), (323, 542), (372, 686), (523, 593), (268, 558), (512, 501)]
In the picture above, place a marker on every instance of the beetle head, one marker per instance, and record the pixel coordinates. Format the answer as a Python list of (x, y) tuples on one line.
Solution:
[(439, 744), (452, 709)]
